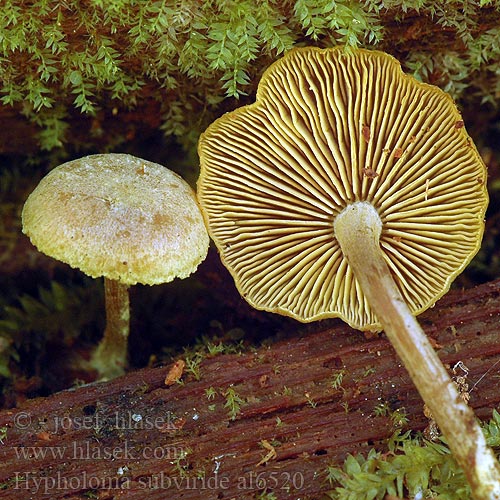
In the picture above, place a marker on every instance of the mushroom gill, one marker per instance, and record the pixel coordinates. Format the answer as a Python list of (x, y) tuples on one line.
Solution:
[(342, 129), (350, 189)]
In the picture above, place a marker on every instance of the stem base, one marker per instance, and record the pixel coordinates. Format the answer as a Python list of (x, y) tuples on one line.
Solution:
[(110, 357)]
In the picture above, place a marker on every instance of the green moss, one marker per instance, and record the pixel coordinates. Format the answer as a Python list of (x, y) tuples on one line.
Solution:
[(337, 379), (58, 59), (193, 362), (210, 393), (233, 402), (28, 322), (413, 467)]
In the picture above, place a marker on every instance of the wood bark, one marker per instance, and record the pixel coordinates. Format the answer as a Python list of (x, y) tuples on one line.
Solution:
[(137, 437)]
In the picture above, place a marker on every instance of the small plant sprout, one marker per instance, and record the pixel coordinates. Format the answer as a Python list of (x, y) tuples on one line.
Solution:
[(338, 377), (310, 400), (233, 403), (193, 362), (399, 418), (382, 409), (351, 190), (125, 219), (210, 393), (3, 434)]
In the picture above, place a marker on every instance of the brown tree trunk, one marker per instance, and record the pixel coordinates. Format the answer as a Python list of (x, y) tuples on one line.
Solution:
[(273, 418)]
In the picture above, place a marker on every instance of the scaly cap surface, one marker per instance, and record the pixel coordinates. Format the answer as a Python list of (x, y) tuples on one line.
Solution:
[(117, 216)]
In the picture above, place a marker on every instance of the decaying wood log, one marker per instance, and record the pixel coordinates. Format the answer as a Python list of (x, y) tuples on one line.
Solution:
[(273, 418)]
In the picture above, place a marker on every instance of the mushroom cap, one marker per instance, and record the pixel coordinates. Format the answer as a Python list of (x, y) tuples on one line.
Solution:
[(118, 216), (330, 128)]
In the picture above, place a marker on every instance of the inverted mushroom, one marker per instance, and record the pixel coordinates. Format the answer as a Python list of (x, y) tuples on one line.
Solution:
[(349, 189), (123, 218)]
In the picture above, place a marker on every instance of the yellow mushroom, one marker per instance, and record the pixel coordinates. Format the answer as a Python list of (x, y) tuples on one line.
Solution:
[(347, 190), (123, 218)]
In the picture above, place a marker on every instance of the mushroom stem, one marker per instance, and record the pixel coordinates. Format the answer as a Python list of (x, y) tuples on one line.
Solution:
[(357, 229), (110, 357)]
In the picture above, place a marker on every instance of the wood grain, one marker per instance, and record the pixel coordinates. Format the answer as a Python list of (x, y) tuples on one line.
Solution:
[(137, 438)]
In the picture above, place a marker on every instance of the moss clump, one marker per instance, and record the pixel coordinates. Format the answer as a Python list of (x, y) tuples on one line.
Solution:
[(104, 59), (413, 467)]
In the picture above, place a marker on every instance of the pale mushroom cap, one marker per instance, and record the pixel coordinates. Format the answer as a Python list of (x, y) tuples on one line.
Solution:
[(117, 216), (330, 128)]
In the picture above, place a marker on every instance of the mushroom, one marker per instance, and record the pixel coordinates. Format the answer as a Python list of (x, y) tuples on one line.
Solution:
[(348, 190), (123, 218)]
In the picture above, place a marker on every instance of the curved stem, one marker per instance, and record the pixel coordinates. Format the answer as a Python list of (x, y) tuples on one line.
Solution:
[(357, 229), (110, 357)]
